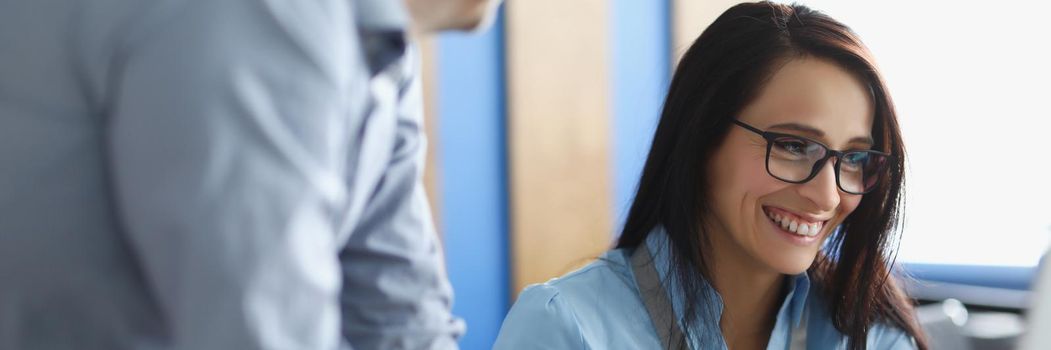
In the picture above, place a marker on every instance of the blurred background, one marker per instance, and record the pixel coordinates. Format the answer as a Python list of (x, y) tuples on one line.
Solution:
[(539, 127)]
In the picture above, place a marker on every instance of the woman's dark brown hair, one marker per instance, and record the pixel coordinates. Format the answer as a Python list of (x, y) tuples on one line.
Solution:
[(717, 77)]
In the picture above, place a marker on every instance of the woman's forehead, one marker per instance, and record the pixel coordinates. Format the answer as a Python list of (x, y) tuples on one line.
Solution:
[(816, 93)]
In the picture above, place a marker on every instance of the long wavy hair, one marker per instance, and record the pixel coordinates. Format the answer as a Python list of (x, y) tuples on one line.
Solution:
[(718, 76)]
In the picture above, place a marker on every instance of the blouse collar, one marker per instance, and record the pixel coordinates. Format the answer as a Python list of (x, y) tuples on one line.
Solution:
[(703, 332)]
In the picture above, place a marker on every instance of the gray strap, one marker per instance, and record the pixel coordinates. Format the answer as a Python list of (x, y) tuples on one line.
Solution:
[(660, 309), (798, 341), (656, 299)]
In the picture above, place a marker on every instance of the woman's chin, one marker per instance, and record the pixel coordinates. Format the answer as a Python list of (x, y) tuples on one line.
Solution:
[(792, 264)]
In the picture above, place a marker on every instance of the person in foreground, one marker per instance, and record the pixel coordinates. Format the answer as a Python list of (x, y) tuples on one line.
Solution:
[(766, 213), (228, 175)]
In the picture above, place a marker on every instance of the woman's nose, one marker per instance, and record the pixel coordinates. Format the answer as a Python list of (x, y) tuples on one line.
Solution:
[(822, 189)]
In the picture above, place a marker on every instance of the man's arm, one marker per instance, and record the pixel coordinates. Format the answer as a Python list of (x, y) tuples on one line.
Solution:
[(225, 139), (396, 293)]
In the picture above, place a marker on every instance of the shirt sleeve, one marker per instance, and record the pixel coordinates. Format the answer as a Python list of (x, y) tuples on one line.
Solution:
[(540, 319), (223, 143), (396, 293), (886, 337)]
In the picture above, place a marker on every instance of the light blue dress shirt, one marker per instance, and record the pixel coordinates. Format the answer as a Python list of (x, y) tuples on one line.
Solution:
[(599, 307), (214, 174)]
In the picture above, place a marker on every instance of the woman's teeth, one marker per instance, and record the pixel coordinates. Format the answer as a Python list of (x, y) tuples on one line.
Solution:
[(793, 225)]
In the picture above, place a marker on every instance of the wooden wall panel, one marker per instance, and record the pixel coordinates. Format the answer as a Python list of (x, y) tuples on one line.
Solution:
[(558, 134), (688, 20)]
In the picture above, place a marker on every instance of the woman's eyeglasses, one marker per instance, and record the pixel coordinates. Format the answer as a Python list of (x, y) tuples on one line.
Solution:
[(796, 159)]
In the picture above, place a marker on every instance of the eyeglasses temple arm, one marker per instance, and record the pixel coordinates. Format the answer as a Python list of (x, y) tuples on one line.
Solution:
[(746, 126)]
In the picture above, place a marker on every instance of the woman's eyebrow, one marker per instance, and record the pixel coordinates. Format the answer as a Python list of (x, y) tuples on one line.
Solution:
[(866, 140), (817, 133), (809, 130)]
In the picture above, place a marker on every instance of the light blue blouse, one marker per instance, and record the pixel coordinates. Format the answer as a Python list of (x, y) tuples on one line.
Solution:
[(599, 307)]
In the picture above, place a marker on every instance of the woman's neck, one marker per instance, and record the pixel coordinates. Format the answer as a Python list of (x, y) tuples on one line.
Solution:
[(750, 304), (751, 297)]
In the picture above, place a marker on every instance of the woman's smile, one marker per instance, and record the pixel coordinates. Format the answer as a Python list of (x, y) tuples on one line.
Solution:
[(801, 229)]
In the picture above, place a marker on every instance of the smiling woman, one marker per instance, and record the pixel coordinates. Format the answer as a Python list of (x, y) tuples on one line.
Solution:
[(765, 211)]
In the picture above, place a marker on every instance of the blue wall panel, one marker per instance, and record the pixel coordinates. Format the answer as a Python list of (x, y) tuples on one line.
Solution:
[(471, 113), (640, 64)]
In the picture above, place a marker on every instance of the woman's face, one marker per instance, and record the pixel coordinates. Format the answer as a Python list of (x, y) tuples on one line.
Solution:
[(807, 97)]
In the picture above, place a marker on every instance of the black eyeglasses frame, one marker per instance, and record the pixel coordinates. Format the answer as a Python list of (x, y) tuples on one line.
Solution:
[(770, 136)]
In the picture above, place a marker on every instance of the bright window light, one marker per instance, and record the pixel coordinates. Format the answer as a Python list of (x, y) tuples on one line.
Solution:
[(972, 86)]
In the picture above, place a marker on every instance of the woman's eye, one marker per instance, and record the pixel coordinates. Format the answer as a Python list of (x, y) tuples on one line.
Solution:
[(854, 161), (794, 147)]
